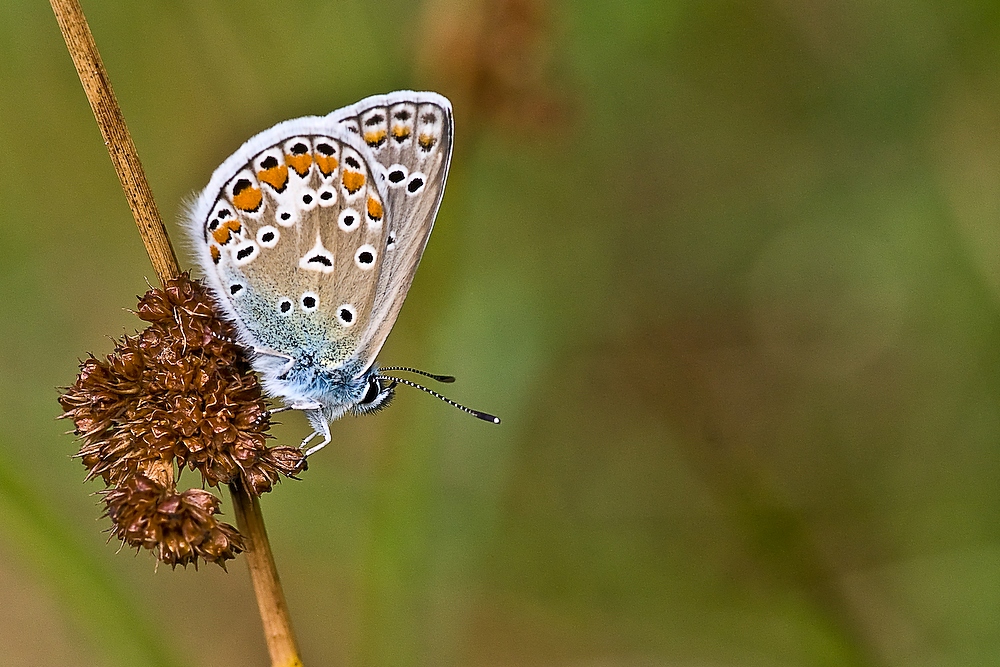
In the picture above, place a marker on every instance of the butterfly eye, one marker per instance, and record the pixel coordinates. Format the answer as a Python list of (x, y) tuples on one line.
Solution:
[(377, 396), (374, 389)]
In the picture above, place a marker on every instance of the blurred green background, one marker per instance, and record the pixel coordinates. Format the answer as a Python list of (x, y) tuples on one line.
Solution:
[(728, 271)]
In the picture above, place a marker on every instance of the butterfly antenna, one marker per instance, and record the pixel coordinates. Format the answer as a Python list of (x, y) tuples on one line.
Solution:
[(486, 417), (407, 369)]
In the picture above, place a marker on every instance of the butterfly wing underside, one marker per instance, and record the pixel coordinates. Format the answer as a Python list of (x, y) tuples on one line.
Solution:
[(292, 229), (410, 136)]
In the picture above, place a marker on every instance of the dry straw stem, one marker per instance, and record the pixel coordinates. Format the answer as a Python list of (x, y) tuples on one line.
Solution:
[(94, 78), (80, 42), (266, 586)]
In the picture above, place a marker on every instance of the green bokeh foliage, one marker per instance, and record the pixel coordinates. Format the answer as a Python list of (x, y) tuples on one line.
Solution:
[(736, 303)]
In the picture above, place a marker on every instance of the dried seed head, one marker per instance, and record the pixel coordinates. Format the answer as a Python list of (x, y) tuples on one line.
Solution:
[(180, 392), (179, 527)]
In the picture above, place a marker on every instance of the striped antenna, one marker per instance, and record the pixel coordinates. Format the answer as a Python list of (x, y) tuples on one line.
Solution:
[(407, 369), (486, 417)]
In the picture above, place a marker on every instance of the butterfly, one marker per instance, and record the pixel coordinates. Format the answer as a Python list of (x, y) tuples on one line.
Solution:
[(309, 236)]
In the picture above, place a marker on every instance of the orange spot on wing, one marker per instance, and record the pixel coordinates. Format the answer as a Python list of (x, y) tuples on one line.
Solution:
[(276, 177), (400, 132), (216, 253), (300, 163), (326, 163), (224, 232), (426, 141), (375, 138), (374, 209), (248, 199), (353, 180)]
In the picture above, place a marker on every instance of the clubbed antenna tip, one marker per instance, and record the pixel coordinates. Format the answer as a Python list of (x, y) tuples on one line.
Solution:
[(485, 416)]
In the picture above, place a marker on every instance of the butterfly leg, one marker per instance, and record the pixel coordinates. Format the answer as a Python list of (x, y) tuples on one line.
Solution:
[(324, 430), (289, 359), (304, 406)]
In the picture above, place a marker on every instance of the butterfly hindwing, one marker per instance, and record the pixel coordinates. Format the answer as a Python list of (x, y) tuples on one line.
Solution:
[(410, 136)]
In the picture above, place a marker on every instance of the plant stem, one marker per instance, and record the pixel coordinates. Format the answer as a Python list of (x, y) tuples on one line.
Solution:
[(266, 585), (117, 138), (80, 42)]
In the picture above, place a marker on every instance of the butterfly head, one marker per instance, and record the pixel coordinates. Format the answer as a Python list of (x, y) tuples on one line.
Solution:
[(378, 393)]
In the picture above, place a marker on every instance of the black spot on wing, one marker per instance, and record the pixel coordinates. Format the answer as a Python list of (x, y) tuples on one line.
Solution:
[(319, 259)]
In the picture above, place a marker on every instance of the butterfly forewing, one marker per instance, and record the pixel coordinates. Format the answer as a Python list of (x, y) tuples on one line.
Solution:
[(295, 238), (410, 136)]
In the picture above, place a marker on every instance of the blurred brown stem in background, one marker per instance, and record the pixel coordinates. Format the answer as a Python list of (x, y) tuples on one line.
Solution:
[(494, 59), (80, 42)]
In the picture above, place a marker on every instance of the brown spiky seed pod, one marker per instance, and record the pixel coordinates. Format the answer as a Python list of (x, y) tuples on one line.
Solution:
[(180, 392), (179, 528)]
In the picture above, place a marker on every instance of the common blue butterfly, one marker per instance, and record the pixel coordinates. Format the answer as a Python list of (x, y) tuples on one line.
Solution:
[(309, 236)]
